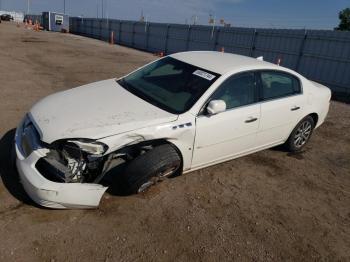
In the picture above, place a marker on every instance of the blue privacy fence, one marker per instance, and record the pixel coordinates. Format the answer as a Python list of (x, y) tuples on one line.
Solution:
[(320, 55)]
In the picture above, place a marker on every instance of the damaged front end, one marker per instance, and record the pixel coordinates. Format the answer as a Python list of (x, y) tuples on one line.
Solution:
[(75, 173), (64, 174), (73, 161)]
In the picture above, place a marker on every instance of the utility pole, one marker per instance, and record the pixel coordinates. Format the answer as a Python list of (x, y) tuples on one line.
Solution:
[(142, 17), (194, 19), (102, 3), (28, 7), (106, 7), (64, 6), (212, 21)]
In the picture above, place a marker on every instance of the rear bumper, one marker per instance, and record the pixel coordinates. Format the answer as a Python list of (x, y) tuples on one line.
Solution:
[(51, 194), (323, 113)]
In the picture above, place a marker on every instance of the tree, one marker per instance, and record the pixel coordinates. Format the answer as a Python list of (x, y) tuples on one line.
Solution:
[(344, 17)]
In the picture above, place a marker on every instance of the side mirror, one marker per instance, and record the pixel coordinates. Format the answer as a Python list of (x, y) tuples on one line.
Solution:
[(216, 106)]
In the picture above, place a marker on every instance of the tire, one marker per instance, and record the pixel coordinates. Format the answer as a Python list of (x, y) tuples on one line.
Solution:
[(152, 167), (13, 155), (301, 135)]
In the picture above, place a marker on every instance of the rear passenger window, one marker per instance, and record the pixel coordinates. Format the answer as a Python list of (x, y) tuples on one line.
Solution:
[(278, 84)]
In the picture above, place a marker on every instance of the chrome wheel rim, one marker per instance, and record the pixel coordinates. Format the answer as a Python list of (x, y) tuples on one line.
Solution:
[(158, 178), (303, 134)]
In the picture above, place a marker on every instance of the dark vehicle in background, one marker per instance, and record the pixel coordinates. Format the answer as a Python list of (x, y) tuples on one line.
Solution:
[(6, 17)]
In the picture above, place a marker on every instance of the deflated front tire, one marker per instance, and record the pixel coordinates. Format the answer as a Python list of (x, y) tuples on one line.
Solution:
[(146, 170)]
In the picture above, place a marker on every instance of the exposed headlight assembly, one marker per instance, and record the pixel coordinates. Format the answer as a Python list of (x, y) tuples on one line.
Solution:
[(29, 137), (90, 147)]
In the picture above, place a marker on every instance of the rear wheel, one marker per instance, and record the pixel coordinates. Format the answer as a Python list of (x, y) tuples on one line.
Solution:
[(150, 168), (301, 134)]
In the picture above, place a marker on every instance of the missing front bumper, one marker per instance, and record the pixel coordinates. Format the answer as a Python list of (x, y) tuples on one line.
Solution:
[(52, 194)]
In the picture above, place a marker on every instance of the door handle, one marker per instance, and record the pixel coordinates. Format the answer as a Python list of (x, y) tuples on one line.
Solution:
[(295, 108), (251, 119)]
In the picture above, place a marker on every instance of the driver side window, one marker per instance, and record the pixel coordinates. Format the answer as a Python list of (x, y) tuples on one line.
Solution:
[(238, 90)]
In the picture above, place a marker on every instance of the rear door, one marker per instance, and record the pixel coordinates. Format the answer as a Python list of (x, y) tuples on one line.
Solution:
[(282, 104), (224, 135)]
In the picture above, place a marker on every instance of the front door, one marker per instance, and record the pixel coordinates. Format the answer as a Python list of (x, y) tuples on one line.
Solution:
[(233, 132)]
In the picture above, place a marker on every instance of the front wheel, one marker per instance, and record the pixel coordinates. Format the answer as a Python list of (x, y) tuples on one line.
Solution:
[(152, 167), (301, 134)]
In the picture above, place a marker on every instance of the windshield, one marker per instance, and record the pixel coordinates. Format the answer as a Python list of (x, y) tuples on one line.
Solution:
[(169, 84)]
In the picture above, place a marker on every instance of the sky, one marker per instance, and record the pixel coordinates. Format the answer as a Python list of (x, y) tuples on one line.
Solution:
[(310, 14)]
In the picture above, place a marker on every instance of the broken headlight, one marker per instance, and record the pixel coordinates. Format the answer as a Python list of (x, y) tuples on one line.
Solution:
[(90, 147), (84, 159), (29, 137), (73, 161)]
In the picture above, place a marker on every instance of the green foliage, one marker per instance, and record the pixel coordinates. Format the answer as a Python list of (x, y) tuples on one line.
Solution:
[(344, 17)]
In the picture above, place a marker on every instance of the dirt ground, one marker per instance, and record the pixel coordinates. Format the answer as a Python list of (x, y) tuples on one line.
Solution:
[(270, 206)]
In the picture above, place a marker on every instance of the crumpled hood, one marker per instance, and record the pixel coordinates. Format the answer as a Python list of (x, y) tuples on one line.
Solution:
[(94, 111)]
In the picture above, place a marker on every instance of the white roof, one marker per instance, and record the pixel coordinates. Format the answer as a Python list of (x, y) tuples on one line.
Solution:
[(222, 63)]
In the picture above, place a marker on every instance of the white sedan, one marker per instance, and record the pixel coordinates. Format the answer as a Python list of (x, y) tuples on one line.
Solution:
[(180, 113)]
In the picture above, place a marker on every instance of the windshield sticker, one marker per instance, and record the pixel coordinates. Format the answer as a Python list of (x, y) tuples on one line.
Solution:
[(204, 74)]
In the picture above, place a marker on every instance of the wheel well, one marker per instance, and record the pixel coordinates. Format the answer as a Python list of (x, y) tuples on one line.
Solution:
[(314, 117), (153, 143), (164, 141)]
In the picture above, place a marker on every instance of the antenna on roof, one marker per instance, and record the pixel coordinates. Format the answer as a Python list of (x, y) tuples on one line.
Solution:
[(260, 58)]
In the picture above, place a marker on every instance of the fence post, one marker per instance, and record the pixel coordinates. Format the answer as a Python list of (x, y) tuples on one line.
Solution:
[(80, 28), (77, 26), (188, 37), (252, 47), (166, 39), (87, 28), (100, 33), (109, 30), (120, 32), (133, 34), (147, 35), (301, 51), (216, 41)]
